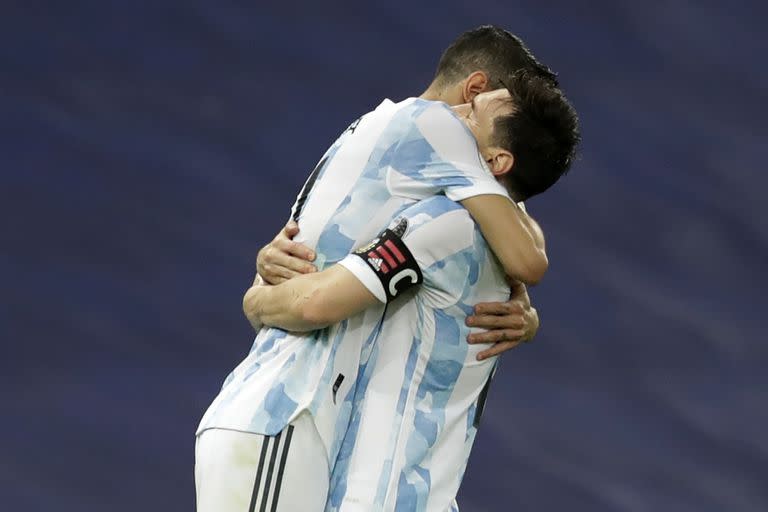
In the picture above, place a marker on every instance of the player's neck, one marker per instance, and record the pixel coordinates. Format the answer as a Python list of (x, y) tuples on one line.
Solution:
[(430, 94), (435, 93)]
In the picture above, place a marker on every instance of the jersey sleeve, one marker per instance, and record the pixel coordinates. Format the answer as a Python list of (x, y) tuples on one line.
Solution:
[(431, 244), (438, 155), (385, 266)]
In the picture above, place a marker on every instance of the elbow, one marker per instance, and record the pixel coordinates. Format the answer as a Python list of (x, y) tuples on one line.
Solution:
[(249, 304), (538, 268), (531, 263), (530, 271)]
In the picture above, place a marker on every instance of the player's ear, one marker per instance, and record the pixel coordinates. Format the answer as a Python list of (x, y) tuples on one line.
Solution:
[(474, 84), (500, 161)]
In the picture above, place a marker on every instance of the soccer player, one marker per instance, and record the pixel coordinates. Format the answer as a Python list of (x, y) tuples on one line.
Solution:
[(420, 392), (475, 62), (290, 399)]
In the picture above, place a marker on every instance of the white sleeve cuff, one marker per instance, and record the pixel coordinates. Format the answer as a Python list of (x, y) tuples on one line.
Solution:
[(366, 275), (478, 189)]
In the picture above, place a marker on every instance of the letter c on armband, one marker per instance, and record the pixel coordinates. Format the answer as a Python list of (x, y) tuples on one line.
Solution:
[(392, 262)]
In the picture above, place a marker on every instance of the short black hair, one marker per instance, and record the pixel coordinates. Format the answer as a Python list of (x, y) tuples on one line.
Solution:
[(493, 50), (542, 134)]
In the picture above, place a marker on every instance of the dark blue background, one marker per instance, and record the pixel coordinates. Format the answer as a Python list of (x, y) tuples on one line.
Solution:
[(148, 149)]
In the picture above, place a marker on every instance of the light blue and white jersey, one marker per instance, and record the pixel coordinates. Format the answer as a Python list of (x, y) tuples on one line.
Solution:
[(388, 159), (420, 389)]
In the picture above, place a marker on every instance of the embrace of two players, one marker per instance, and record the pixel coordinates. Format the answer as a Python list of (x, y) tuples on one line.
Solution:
[(381, 308)]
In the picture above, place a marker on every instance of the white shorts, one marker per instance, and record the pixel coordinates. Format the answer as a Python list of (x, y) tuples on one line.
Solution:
[(243, 472)]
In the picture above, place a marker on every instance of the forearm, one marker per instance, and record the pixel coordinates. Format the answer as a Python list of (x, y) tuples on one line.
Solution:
[(278, 306), (515, 238), (308, 302), (520, 245)]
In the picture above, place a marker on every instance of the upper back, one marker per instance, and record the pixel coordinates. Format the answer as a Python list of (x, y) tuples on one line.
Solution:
[(393, 156)]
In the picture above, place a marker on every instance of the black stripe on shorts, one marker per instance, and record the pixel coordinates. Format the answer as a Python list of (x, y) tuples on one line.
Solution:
[(262, 484)]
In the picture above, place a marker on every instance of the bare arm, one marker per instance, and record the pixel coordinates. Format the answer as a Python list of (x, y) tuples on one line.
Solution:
[(308, 302), (508, 323), (515, 238)]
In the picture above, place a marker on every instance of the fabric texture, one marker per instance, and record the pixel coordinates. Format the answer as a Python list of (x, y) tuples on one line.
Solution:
[(244, 472)]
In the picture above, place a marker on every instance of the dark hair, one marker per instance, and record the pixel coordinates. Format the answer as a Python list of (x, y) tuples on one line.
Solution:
[(492, 50), (542, 134)]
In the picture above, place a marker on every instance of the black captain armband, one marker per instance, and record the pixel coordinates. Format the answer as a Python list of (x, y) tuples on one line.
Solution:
[(392, 262)]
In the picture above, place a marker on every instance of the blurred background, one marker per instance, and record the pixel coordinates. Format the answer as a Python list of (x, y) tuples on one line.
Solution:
[(148, 149)]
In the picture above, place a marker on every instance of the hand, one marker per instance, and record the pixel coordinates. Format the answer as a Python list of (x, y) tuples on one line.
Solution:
[(509, 323), (283, 259)]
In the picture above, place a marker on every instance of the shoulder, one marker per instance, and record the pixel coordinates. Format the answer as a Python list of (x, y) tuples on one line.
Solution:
[(437, 116), (429, 116), (430, 209), (436, 228), (446, 134)]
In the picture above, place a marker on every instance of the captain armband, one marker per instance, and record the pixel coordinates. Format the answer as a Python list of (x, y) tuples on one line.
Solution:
[(392, 262)]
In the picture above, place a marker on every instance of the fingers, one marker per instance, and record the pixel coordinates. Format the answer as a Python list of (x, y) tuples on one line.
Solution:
[(275, 280), (269, 275), (296, 249), (497, 349), (496, 321), (274, 274), (290, 230), (509, 326), (496, 336), (499, 308), (531, 324), (280, 263), (275, 266), (284, 241), (284, 259)]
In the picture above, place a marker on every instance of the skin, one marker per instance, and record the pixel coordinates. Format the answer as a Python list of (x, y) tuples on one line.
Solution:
[(526, 260), (308, 302), (479, 115), (316, 300), (313, 301), (509, 323)]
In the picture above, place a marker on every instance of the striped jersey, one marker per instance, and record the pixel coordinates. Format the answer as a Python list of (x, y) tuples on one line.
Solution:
[(385, 161), (420, 389)]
